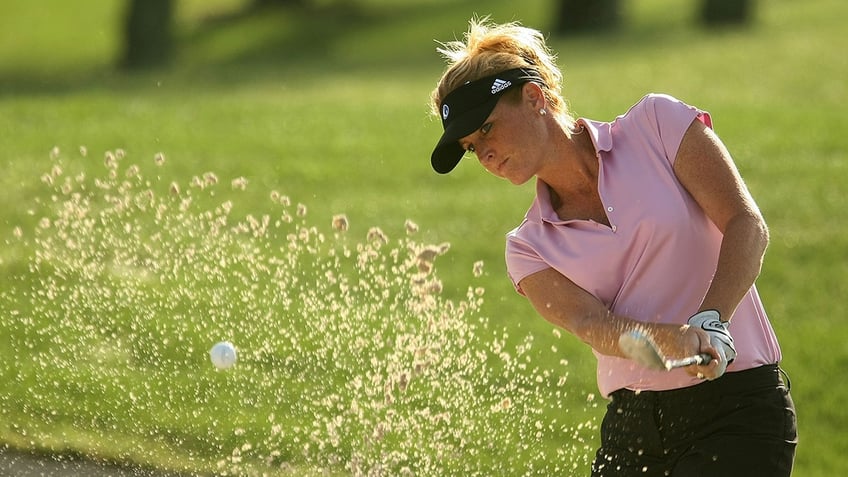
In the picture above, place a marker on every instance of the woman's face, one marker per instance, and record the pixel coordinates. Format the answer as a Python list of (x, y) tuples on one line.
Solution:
[(508, 142)]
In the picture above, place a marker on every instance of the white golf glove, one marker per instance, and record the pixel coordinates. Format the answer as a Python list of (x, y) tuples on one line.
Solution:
[(710, 321)]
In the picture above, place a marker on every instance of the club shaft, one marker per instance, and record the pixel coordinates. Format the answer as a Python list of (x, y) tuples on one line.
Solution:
[(701, 359)]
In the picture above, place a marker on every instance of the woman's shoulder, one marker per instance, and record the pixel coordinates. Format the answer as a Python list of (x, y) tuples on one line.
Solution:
[(658, 110), (654, 103)]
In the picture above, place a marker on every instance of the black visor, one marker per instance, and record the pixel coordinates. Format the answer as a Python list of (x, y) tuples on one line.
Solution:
[(466, 108)]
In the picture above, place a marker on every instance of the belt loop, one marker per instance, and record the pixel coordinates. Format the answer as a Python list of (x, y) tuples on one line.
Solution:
[(785, 378)]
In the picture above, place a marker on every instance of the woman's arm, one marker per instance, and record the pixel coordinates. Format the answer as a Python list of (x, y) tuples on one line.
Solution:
[(705, 168), (564, 304)]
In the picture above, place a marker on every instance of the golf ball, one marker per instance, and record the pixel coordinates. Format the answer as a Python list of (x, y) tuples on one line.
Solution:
[(223, 355)]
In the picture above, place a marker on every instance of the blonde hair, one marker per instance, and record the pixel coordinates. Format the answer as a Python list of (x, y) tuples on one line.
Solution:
[(488, 48)]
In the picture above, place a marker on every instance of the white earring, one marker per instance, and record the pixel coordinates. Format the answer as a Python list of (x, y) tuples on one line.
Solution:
[(543, 112)]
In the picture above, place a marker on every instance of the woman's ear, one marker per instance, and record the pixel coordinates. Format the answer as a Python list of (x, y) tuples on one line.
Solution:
[(534, 95)]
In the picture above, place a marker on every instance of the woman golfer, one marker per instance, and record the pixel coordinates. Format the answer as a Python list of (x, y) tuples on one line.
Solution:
[(640, 224)]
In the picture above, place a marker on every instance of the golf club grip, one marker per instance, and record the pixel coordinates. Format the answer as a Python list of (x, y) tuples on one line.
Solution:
[(705, 359)]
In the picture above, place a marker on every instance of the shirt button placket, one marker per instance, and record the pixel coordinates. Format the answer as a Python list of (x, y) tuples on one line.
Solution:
[(612, 225)]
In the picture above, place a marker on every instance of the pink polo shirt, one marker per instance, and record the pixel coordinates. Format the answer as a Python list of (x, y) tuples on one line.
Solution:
[(657, 258)]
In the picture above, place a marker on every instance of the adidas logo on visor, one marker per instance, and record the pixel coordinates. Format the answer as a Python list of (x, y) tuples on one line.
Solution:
[(500, 85)]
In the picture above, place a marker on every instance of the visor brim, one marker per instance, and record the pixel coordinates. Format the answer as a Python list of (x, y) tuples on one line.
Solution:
[(448, 151)]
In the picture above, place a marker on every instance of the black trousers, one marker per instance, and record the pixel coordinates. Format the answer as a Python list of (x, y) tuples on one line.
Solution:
[(742, 424)]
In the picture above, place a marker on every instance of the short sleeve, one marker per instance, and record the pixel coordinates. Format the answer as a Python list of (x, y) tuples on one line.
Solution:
[(672, 118), (521, 260)]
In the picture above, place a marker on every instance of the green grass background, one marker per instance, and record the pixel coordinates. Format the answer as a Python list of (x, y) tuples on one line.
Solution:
[(331, 108)]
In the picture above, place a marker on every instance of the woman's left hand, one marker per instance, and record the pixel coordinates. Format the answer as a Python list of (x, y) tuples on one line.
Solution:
[(719, 344)]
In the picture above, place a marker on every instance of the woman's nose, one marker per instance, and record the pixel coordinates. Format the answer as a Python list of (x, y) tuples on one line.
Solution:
[(485, 156)]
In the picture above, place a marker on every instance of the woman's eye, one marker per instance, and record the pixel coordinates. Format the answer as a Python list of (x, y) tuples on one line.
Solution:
[(486, 128)]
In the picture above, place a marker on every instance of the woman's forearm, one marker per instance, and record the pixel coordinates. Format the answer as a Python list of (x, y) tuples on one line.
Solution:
[(740, 261)]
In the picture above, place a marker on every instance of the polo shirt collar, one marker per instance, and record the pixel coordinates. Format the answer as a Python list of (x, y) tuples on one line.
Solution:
[(542, 210), (601, 133)]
